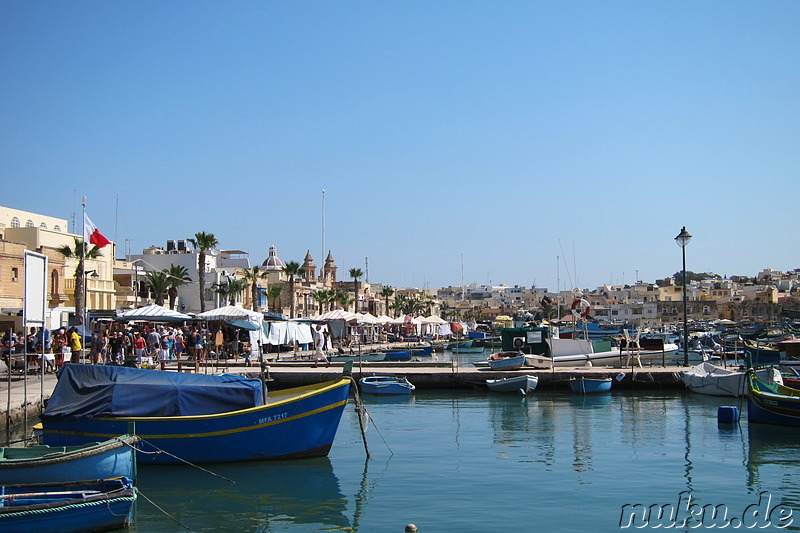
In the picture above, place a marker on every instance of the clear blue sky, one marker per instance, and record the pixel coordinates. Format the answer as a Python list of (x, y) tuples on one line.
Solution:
[(507, 133)]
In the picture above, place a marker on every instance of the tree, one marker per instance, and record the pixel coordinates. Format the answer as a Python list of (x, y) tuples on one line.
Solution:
[(203, 242), (176, 277), (444, 310), (231, 289), (355, 273), (158, 283), (292, 269), (323, 297), (79, 251), (253, 276), (274, 296), (386, 293)]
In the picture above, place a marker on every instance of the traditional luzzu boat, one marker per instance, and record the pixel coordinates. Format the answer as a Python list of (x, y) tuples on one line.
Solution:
[(75, 507), (758, 354), (195, 418), (59, 464), (772, 403), (584, 385), (388, 385)]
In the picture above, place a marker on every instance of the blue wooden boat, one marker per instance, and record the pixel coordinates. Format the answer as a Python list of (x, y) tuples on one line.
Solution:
[(584, 385), (422, 350), (385, 385), (772, 403), (506, 361), (397, 355), (195, 418), (756, 355), (49, 464), (74, 507)]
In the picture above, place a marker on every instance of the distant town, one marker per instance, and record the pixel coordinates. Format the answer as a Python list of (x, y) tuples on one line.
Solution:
[(197, 273)]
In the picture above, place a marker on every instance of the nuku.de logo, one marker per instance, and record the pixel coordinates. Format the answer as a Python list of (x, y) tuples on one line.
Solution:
[(687, 514)]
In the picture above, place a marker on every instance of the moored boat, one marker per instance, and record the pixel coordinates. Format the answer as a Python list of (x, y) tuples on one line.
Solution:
[(772, 403), (506, 361), (48, 464), (75, 507), (713, 380), (584, 385), (757, 354), (385, 385), (397, 355), (194, 418), (525, 383)]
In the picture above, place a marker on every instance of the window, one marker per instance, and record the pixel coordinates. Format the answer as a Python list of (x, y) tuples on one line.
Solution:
[(14, 274), (43, 225), (57, 228), (30, 224), (15, 222)]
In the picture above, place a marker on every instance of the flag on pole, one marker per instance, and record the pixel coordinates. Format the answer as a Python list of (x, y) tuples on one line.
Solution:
[(91, 234)]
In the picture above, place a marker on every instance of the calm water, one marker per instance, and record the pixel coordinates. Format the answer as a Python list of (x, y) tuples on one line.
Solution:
[(474, 461)]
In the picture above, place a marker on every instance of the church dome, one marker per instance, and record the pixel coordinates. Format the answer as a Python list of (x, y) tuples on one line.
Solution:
[(273, 262)]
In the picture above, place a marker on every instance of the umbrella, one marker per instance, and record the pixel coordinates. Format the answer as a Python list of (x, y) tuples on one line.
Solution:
[(153, 312), (243, 324), (229, 312)]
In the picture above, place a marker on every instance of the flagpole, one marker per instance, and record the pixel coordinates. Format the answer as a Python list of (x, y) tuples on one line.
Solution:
[(83, 273)]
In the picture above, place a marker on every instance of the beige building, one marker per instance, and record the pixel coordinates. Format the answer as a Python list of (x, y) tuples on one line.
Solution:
[(22, 230)]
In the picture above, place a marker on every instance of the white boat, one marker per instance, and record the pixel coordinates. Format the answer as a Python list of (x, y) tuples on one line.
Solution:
[(713, 380), (582, 352), (524, 383)]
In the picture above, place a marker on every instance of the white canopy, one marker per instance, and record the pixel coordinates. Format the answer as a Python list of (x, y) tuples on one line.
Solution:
[(230, 312), (433, 319), (367, 318), (383, 319), (153, 312), (338, 314)]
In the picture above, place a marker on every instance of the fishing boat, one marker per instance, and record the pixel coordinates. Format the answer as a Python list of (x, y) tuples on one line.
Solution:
[(60, 464), (506, 361), (74, 507), (772, 403), (713, 380), (385, 385), (583, 385), (397, 355), (524, 383), (194, 418), (758, 354), (422, 350)]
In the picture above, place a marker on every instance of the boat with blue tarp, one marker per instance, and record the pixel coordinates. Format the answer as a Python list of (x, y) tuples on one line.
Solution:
[(195, 418)]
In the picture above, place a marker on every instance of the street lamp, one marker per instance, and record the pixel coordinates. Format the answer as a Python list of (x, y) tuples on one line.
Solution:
[(683, 239)]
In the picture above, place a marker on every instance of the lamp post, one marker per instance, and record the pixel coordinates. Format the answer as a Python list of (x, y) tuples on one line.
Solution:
[(683, 239), (95, 276)]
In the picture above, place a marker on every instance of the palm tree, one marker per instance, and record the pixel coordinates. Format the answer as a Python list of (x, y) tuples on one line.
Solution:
[(323, 297), (231, 289), (203, 242), (79, 252), (343, 299), (292, 269), (176, 276), (386, 293), (253, 276), (158, 283), (274, 296), (355, 273)]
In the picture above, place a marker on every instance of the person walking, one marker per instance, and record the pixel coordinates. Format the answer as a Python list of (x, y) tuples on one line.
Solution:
[(318, 343)]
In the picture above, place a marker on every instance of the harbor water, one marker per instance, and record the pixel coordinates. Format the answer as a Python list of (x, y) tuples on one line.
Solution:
[(478, 461)]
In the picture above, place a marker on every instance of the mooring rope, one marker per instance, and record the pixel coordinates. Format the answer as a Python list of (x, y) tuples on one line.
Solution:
[(154, 504), (159, 450)]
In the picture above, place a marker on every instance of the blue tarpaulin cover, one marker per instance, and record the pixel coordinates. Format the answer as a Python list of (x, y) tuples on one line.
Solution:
[(88, 391)]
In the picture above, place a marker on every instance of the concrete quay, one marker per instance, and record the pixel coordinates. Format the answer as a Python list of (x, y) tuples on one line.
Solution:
[(425, 375)]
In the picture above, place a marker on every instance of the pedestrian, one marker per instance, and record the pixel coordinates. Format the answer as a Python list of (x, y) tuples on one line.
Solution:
[(318, 342), (102, 348), (139, 347), (163, 353), (178, 345), (75, 345)]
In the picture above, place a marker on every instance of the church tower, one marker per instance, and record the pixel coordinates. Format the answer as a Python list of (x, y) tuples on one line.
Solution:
[(309, 268), (328, 274)]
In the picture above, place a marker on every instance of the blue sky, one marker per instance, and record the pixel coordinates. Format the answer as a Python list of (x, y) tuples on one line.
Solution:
[(509, 134)]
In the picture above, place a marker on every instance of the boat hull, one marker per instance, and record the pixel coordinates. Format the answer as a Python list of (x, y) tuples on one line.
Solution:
[(295, 423), (507, 363), (45, 464), (46, 509), (385, 385), (716, 381), (589, 385), (514, 384), (399, 355)]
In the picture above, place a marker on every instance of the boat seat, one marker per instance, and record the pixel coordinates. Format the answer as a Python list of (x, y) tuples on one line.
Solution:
[(632, 347)]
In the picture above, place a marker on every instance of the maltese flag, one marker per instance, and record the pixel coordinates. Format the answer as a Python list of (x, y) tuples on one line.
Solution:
[(91, 234)]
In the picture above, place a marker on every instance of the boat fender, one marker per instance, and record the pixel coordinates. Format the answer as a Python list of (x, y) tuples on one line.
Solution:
[(580, 307), (518, 343)]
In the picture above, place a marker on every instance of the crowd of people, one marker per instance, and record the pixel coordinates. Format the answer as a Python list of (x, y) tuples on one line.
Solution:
[(120, 344)]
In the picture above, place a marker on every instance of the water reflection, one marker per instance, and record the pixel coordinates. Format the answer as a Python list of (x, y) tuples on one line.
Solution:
[(774, 454), (263, 494)]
